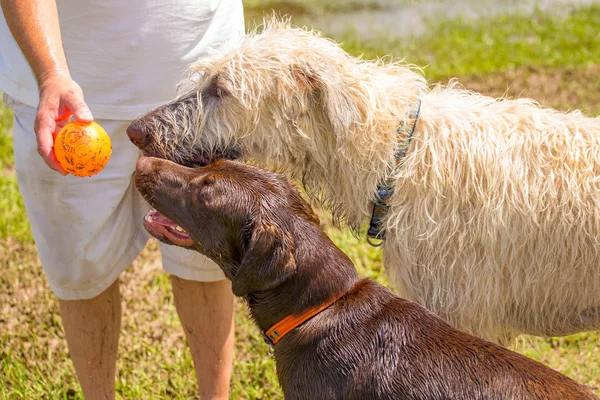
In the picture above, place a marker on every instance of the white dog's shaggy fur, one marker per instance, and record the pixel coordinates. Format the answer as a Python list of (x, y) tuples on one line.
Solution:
[(495, 219)]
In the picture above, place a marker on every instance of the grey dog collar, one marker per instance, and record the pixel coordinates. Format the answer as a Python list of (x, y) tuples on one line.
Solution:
[(386, 189)]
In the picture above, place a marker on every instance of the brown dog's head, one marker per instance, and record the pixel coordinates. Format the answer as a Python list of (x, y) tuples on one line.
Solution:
[(240, 216)]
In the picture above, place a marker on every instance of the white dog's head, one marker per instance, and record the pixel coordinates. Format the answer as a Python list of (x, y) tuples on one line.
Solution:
[(289, 97)]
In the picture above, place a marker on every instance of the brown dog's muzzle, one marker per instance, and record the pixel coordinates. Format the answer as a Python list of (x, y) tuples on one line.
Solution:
[(155, 186)]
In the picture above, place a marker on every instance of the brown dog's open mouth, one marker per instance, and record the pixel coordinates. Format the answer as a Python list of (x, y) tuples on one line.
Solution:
[(162, 228)]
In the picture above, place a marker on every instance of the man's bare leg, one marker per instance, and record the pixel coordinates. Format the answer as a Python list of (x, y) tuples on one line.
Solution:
[(92, 332), (206, 313)]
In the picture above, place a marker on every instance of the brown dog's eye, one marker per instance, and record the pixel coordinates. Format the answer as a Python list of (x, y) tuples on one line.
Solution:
[(209, 180), (202, 182)]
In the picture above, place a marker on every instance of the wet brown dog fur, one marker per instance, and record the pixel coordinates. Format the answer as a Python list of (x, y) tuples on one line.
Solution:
[(370, 344)]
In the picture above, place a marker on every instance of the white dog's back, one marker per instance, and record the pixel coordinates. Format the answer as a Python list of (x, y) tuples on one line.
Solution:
[(495, 223)]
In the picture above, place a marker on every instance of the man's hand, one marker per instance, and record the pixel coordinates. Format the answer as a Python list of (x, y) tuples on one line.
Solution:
[(60, 99)]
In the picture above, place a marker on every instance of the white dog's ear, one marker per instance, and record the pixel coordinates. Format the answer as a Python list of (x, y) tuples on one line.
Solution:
[(332, 93), (304, 78)]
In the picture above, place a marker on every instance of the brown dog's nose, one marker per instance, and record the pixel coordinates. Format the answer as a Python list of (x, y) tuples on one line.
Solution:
[(137, 135)]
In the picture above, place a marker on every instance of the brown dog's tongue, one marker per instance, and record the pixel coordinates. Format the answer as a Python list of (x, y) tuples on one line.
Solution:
[(157, 223)]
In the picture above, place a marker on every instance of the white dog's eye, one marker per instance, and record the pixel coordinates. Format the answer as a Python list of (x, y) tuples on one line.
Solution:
[(197, 76), (189, 84)]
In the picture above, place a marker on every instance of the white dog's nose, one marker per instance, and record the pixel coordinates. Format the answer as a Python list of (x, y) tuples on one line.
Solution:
[(137, 135)]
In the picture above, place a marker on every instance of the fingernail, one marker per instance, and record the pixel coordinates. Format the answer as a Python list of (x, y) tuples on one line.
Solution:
[(86, 115)]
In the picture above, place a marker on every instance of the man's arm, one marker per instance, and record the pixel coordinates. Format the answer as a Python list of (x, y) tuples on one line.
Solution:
[(34, 25)]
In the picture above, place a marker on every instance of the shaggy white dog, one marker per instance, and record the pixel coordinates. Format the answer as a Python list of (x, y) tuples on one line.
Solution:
[(494, 220)]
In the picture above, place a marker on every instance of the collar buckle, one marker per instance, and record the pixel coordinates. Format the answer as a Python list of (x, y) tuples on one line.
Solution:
[(266, 338)]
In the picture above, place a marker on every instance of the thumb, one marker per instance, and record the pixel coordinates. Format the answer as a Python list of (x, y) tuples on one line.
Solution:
[(80, 110), (45, 147)]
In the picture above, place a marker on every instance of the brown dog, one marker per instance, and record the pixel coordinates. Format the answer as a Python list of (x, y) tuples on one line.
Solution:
[(346, 338)]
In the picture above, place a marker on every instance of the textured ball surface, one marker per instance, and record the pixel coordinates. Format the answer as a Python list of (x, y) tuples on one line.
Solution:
[(83, 149)]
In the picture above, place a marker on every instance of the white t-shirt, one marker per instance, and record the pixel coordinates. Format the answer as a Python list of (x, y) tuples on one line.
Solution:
[(128, 56)]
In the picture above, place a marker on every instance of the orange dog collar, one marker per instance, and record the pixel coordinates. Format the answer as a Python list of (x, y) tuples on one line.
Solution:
[(289, 323)]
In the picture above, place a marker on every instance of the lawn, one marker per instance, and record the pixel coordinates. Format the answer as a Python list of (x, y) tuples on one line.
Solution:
[(552, 58)]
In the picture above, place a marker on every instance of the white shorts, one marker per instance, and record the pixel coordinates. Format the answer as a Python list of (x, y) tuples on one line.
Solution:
[(89, 230)]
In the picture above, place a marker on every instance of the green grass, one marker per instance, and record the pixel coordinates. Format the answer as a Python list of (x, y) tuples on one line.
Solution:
[(6, 154), (553, 59), (13, 219), (474, 47)]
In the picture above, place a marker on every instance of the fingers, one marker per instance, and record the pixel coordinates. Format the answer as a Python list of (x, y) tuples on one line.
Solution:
[(45, 142)]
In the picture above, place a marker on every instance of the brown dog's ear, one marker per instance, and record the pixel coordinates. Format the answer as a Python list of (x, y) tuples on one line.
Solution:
[(268, 261)]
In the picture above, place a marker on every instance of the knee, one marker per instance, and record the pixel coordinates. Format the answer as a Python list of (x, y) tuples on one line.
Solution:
[(79, 286)]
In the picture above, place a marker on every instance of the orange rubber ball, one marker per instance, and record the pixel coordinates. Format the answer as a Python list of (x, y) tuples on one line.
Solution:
[(83, 149)]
